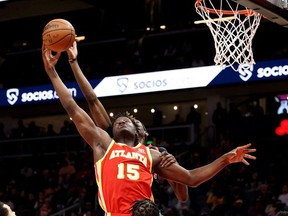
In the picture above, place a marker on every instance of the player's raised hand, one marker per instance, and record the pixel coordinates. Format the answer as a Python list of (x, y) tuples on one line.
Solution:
[(72, 51), (167, 159), (49, 59), (241, 154)]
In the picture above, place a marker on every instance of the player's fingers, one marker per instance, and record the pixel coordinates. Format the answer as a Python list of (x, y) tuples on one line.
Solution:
[(250, 150), (245, 162), (47, 54), (168, 161), (244, 147), (171, 162), (164, 153), (250, 157), (164, 162), (247, 145)]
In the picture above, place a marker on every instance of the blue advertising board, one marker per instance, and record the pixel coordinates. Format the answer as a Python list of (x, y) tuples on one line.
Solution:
[(153, 82)]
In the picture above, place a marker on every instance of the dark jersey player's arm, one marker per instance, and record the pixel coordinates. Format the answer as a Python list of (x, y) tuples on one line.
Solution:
[(96, 108), (180, 190)]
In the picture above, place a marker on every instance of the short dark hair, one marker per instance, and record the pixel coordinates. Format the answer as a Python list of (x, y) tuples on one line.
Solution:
[(145, 207), (127, 115), (3, 210), (133, 120)]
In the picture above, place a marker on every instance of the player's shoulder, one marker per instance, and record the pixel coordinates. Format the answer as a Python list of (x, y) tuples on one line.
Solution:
[(153, 147), (157, 148)]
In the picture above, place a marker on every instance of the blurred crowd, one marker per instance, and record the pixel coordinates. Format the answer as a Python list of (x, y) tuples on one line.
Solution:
[(146, 53), (41, 185)]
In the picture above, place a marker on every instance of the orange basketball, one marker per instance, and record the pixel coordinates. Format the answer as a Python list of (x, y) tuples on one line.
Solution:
[(58, 35)]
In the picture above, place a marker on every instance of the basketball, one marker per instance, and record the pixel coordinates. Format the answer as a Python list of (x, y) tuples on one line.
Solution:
[(58, 35)]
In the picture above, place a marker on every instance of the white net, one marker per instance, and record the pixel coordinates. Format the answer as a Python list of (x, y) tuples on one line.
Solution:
[(233, 27)]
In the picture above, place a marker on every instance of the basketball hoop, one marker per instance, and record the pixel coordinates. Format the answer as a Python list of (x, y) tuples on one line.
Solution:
[(233, 27)]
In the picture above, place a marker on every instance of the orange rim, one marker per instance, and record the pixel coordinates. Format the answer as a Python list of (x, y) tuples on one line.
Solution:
[(247, 12)]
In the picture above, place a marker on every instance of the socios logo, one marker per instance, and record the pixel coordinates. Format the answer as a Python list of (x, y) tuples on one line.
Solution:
[(12, 95), (38, 96), (245, 71), (122, 84), (150, 84), (272, 71), (34, 96)]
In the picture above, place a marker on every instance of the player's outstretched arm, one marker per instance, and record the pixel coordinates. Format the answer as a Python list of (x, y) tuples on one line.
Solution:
[(85, 125), (96, 108), (197, 176), (180, 190)]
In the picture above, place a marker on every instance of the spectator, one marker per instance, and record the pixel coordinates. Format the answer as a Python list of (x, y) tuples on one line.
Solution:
[(65, 129), (283, 197), (256, 208), (216, 199), (264, 196), (19, 131), (45, 208), (194, 118), (271, 208), (2, 131), (157, 118), (67, 168), (258, 111), (234, 117), (219, 119), (50, 130), (177, 120), (33, 130)]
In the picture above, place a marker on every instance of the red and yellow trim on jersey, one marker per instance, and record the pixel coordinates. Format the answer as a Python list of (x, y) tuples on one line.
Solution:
[(98, 166)]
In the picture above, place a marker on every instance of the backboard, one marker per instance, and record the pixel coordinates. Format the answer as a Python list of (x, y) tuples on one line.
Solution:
[(274, 10)]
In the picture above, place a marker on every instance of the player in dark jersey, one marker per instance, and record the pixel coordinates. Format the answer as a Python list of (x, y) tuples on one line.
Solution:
[(180, 191), (132, 164), (103, 120)]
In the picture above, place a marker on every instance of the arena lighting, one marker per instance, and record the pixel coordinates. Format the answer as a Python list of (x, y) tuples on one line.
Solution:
[(282, 129)]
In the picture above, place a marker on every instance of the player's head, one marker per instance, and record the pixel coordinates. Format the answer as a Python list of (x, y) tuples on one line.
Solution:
[(5, 210), (142, 131), (145, 207), (131, 128)]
